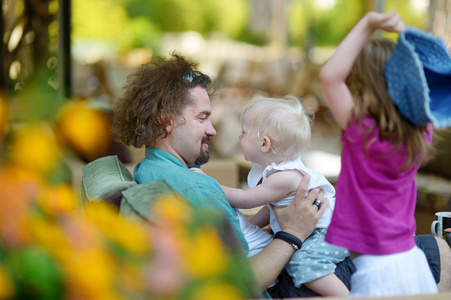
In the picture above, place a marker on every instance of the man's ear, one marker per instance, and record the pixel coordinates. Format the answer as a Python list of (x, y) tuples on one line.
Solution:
[(266, 144), (169, 125), (166, 121)]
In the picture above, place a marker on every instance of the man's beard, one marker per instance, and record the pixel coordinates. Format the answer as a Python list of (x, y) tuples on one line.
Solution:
[(204, 156)]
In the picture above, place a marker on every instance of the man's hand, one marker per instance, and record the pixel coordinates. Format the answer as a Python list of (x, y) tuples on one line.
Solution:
[(300, 217)]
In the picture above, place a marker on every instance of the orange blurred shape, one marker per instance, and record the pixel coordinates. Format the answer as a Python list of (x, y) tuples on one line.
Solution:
[(58, 200), (85, 129), (18, 190), (4, 114)]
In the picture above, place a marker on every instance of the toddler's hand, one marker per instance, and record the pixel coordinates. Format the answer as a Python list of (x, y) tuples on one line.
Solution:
[(197, 170), (390, 22)]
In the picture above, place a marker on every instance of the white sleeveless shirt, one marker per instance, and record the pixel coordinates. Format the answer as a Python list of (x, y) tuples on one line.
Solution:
[(317, 179)]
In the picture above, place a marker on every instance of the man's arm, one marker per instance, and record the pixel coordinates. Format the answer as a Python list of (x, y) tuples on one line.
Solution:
[(299, 219), (445, 264)]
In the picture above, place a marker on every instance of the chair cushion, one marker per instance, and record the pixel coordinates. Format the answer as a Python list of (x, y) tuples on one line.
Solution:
[(104, 179)]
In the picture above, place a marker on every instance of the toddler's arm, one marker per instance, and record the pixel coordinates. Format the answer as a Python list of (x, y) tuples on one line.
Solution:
[(335, 71), (261, 219), (274, 188)]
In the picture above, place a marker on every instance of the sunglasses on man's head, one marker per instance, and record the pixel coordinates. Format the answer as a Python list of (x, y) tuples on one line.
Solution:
[(190, 76), (197, 78)]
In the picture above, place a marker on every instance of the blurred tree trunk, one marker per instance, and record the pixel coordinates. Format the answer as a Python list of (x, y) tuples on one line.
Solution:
[(3, 74), (440, 18), (28, 42)]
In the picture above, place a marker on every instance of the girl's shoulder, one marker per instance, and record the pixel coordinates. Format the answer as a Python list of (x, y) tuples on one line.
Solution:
[(359, 127), (362, 122)]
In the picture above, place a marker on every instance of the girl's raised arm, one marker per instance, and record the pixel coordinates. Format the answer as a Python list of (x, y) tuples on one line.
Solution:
[(335, 71)]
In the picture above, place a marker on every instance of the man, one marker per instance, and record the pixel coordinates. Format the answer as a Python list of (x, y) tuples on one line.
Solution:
[(166, 108)]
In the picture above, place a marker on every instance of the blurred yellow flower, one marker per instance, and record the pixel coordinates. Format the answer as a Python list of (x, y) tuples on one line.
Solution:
[(90, 273), (217, 291), (84, 129), (34, 147), (171, 209), (49, 235), (132, 277), (131, 235), (58, 199), (81, 233), (206, 256), (7, 290)]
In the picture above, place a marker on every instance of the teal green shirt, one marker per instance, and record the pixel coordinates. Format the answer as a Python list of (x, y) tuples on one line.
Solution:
[(200, 190)]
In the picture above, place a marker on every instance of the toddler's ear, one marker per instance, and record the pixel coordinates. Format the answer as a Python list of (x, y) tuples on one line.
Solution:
[(266, 144)]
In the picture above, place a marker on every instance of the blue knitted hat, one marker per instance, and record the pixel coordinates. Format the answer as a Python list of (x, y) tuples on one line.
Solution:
[(418, 76)]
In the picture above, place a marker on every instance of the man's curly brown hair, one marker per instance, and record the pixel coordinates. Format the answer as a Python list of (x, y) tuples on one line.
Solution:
[(154, 94)]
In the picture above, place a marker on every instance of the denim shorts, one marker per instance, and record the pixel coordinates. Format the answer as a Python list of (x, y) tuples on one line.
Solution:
[(317, 258)]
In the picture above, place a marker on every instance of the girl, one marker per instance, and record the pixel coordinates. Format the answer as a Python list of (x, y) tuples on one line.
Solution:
[(382, 151)]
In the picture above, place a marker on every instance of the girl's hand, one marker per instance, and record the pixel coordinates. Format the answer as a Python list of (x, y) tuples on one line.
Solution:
[(390, 22)]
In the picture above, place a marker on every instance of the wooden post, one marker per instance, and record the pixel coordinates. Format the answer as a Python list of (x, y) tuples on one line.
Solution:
[(3, 73), (64, 48)]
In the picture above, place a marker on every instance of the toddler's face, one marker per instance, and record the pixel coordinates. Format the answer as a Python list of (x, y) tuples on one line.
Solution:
[(249, 142)]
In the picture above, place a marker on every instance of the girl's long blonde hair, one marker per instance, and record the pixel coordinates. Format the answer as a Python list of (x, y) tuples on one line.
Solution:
[(369, 89)]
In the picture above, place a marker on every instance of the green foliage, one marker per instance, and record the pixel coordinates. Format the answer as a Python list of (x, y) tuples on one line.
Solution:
[(204, 16), (411, 14), (140, 23), (38, 99), (98, 19), (102, 21), (311, 23), (35, 274), (143, 33)]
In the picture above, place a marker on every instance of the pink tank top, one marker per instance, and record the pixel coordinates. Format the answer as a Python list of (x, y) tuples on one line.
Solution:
[(375, 201)]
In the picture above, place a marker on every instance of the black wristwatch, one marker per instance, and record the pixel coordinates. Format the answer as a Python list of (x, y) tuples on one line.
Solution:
[(289, 238)]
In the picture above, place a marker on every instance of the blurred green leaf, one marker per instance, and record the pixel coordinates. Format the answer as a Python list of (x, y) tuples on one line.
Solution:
[(36, 275), (38, 100)]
